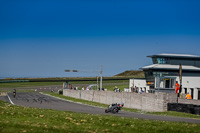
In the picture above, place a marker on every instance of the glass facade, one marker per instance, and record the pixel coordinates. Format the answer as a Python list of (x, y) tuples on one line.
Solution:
[(176, 61), (151, 74), (159, 60)]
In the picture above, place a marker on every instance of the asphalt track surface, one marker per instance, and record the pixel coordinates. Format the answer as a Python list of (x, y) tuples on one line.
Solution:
[(38, 100)]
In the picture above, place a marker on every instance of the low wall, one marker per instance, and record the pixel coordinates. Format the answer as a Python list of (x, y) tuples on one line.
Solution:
[(145, 101)]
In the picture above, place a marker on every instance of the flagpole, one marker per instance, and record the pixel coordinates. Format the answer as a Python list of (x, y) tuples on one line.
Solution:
[(180, 78)]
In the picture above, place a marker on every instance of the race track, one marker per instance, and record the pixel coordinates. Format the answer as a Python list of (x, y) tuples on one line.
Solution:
[(35, 99)]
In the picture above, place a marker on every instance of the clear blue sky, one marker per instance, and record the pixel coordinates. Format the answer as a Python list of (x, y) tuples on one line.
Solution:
[(44, 37)]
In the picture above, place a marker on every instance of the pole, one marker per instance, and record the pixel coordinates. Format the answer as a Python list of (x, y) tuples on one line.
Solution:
[(97, 83), (101, 73), (180, 78)]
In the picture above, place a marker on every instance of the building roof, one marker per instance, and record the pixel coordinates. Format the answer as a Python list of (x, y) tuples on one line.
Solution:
[(171, 67), (176, 56)]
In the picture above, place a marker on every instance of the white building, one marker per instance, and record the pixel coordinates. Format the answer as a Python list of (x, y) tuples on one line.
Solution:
[(163, 74)]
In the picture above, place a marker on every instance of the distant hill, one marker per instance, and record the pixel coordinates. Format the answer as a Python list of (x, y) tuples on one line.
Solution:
[(132, 73)]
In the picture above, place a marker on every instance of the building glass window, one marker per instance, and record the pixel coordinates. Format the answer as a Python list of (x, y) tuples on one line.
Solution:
[(161, 61), (154, 60), (160, 74)]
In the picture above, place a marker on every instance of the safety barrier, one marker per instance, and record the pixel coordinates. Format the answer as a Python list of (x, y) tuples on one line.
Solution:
[(186, 108), (13, 81)]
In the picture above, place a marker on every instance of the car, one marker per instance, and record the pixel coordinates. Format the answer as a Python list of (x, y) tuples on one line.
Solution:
[(91, 87)]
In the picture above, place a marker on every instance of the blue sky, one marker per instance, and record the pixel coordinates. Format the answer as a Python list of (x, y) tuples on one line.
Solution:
[(41, 38)]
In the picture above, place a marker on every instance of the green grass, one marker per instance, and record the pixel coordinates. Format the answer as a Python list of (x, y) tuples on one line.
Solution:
[(167, 113), (84, 83), (71, 78), (22, 119), (28, 84), (119, 83), (104, 81), (111, 87), (33, 84)]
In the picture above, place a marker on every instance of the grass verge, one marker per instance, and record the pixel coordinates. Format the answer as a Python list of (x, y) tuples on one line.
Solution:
[(23, 119), (28, 84), (120, 83)]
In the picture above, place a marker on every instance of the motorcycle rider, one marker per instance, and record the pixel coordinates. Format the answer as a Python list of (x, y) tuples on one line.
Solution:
[(115, 107), (14, 93), (121, 105)]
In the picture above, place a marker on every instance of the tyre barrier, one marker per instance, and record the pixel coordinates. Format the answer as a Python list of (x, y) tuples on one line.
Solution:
[(186, 108)]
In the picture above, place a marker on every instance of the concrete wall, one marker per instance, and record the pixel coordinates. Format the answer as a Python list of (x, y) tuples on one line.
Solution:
[(145, 101)]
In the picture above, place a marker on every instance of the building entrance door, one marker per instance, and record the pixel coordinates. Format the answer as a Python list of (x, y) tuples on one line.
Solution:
[(192, 91), (198, 93), (167, 83)]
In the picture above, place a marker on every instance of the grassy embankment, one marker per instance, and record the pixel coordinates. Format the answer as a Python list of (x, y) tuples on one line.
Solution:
[(22, 119)]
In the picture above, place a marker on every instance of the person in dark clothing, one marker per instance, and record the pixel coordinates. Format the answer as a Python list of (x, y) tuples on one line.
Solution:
[(136, 89), (14, 93)]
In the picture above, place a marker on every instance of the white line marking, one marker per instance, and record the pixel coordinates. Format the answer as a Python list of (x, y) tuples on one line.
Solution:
[(9, 99)]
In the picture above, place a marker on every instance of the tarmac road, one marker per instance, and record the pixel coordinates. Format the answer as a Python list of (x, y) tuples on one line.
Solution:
[(35, 99)]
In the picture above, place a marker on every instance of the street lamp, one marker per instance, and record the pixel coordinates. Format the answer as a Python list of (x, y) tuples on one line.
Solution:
[(100, 72)]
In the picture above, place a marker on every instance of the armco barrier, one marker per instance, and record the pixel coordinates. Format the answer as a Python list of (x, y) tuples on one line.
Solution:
[(145, 101), (186, 108)]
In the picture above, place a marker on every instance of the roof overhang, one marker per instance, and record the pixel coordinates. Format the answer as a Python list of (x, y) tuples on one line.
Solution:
[(175, 56), (170, 67)]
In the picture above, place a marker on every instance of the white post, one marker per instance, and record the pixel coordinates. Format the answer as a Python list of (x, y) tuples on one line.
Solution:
[(101, 73), (97, 83)]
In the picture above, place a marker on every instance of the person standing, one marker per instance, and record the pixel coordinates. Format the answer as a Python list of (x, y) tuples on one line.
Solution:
[(136, 89), (177, 87), (115, 89), (133, 89), (83, 88)]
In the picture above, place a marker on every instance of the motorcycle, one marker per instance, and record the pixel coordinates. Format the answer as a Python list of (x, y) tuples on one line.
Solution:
[(114, 108), (14, 93)]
